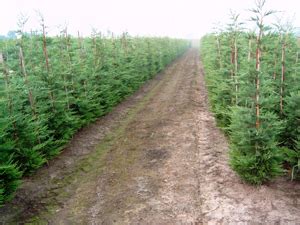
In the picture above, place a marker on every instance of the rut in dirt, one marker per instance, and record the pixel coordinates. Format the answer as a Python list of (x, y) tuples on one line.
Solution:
[(156, 159)]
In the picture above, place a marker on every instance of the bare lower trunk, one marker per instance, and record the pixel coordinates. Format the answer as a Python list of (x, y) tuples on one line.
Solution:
[(282, 77), (30, 95), (232, 70), (275, 65), (23, 69), (45, 48), (249, 49), (81, 61), (51, 96), (8, 93), (219, 52), (257, 84), (236, 71)]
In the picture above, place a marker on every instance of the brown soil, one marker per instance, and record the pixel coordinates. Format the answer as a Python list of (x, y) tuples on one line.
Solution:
[(158, 158)]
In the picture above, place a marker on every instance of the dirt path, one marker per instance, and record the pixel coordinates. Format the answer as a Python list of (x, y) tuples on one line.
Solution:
[(160, 160)]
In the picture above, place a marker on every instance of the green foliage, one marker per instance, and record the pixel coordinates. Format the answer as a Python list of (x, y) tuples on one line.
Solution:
[(292, 115), (52, 86), (9, 181), (291, 136), (255, 169), (293, 158), (257, 106), (254, 154)]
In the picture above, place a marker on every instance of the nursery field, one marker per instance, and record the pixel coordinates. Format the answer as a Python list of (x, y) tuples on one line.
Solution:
[(254, 88), (157, 158), (113, 129), (52, 86)]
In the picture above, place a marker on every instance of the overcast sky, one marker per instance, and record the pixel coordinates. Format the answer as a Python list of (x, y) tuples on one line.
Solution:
[(176, 18)]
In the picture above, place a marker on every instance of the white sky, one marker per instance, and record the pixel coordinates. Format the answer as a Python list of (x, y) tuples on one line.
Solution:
[(176, 18)]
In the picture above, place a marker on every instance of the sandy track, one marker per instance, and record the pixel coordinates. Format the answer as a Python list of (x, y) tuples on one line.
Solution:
[(160, 160)]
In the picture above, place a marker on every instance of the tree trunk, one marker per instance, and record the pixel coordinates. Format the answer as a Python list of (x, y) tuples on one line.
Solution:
[(236, 70), (45, 48), (275, 65), (282, 76), (81, 62), (51, 95), (257, 81), (30, 95), (249, 49), (219, 52), (23, 69), (9, 98), (232, 68)]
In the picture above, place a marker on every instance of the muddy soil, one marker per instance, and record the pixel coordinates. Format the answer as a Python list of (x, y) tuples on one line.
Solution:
[(158, 158)]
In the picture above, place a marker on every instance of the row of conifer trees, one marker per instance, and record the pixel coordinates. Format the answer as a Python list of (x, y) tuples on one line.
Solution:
[(52, 86), (254, 88)]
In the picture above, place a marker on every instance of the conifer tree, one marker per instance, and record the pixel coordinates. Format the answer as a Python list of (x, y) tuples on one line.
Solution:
[(267, 95), (52, 86)]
